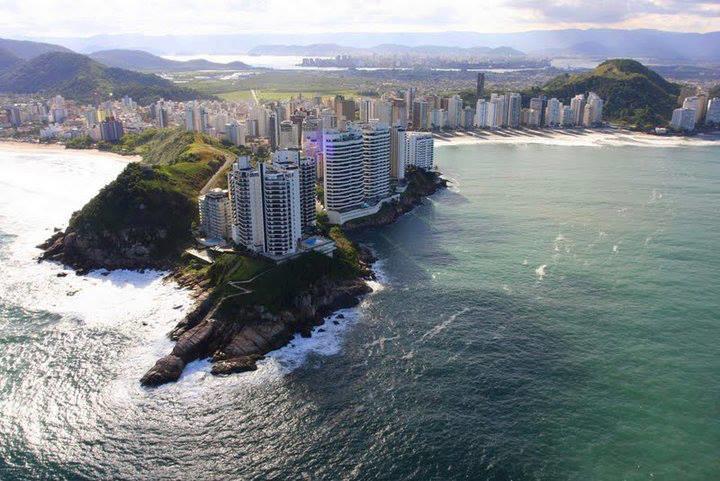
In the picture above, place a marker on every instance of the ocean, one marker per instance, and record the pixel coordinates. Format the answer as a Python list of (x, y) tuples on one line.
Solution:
[(553, 315)]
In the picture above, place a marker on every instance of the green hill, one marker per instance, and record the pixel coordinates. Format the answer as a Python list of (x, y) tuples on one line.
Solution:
[(8, 60), (80, 78), (144, 217), (147, 62), (633, 94), (26, 50)]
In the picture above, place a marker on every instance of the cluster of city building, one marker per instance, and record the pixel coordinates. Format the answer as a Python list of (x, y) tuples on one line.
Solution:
[(270, 207), (695, 111), (57, 118)]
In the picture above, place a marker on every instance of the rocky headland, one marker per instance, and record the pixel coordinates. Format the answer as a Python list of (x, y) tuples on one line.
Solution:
[(245, 306)]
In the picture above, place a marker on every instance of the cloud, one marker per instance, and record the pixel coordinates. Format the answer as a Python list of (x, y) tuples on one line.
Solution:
[(610, 12), (85, 18)]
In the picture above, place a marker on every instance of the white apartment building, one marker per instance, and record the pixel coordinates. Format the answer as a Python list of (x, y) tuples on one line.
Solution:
[(696, 104), (343, 173), (454, 112), (552, 112), (683, 119), (577, 104), (420, 150), (593, 110), (215, 214), (281, 209), (567, 116), (376, 161), (307, 167), (245, 189), (481, 109), (713, 111)]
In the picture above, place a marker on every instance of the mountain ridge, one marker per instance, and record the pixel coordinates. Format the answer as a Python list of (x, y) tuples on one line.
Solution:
[(143, 61)]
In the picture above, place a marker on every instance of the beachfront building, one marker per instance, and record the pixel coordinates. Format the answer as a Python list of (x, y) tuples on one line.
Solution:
[(514, 107), (376, 162), (713, 112), (481, 108), (419, 150), (577, 104), (567, 116), (592, 115), (683, 119), (343, 176), (398, 146), (215, 214), (552, 112)]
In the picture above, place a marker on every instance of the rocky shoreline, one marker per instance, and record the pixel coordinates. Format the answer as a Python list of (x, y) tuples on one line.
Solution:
[(237, 339), (236, 342)]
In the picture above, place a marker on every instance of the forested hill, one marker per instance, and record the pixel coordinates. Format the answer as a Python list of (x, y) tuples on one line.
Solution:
[(80, 78), (633, 94)]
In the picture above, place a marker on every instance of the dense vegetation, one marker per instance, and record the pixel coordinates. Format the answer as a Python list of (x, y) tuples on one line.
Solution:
[(633, 94), (152, 203), (80, 78), (8, 60)]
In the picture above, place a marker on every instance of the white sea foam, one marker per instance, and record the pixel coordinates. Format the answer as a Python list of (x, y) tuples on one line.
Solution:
[(541, 271), (573, 138), (438, 328)]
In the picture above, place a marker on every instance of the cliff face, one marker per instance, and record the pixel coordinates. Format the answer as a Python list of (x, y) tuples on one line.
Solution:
[(236, 341)]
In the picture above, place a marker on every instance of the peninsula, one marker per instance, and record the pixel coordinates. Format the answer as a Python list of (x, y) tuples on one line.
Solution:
[(247, 303)]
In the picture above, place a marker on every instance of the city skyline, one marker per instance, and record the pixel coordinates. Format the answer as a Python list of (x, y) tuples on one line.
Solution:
[(39, 18)]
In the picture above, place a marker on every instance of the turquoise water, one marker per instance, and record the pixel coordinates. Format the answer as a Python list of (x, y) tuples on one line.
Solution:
[(554, 315)]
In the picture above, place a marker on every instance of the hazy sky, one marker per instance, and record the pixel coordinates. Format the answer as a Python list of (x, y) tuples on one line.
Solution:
[(79, 18)]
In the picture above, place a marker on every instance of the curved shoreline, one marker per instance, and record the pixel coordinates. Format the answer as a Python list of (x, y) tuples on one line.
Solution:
[(573, 137)]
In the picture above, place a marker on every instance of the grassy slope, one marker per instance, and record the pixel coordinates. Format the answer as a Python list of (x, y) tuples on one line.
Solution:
[(633, 94)]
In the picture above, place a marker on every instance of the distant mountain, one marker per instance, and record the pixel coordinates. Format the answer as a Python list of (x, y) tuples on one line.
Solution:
[(78, 77), (26, 50), (331, 50), (8, 60), (633, 93), (146, 62), (641, 43)]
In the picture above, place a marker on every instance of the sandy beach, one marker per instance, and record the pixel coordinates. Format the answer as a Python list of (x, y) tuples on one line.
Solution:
[(571, 137), (20, 147)]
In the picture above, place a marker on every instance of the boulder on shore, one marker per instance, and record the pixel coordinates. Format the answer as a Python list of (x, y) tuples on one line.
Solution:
[(235, 365), (166, 369)]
